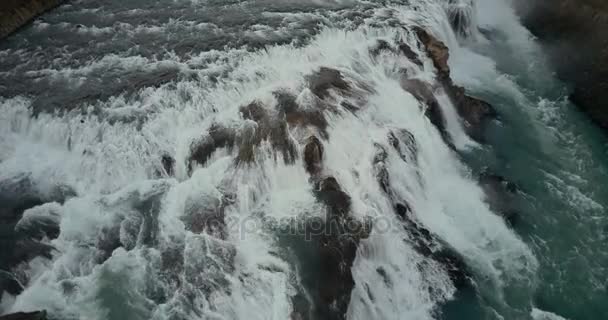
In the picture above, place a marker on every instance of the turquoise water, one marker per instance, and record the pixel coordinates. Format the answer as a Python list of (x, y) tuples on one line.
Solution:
[(146, 102), (557, 157)]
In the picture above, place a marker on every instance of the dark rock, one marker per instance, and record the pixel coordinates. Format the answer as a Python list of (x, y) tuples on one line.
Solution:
[(326, 79), (20, 244), (473, 111), (421, 239), (337, 244), (423, 92), (313, 156), (16, 13), (218, 137), (437, 51), (500, 195), (381, 45), (409, 53), (168, 164), (36, 315), (273, 130), (405, 144), (403, 48), (329, 192)]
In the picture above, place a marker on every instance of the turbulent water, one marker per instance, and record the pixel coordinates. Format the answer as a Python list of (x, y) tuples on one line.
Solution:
[(103, 104)]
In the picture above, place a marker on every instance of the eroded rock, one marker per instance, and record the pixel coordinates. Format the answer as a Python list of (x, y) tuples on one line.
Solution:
[(313, 156), (326, 79), (500, 195)]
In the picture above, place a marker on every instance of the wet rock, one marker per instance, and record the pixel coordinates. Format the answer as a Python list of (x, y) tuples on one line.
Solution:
[(402, 47), (500, 195), (295, 116), (36, 315), (421, 239), (268, 128), (20, 244), (168, 164), (381, 45), (405, 144), (409, 53), (423, 92), (16, 13), (380, 168), (326, 79), (329, 192), (437, 51), (313, 156), (337, 244), (218, 137), (207, 215), (473, 111)]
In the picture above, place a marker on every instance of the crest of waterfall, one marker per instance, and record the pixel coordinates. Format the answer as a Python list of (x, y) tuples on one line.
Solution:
[(462, 15)]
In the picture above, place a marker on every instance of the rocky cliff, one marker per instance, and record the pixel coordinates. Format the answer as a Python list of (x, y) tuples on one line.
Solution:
[(16, 13), (575, 32)]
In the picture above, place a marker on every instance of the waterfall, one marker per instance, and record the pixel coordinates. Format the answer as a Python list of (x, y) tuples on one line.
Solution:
[(205, 198)]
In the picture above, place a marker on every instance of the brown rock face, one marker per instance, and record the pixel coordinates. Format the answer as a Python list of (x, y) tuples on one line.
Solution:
[(16, 13), (473, 111), (575, 34)]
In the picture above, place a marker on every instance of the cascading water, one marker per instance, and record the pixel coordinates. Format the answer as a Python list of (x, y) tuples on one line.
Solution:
[(197, 184)]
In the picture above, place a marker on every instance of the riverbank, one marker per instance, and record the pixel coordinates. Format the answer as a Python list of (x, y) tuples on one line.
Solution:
[(16, 13), (575, 35)]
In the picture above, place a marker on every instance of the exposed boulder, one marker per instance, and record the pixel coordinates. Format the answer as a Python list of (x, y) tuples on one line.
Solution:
[(473, 111), (313, 156), (402, 48), (437, 51), (326, 79), (218, 137), (16, 13)]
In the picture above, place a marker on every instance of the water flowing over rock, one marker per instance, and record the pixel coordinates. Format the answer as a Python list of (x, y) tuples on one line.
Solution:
[(472, 110), (252, 160)]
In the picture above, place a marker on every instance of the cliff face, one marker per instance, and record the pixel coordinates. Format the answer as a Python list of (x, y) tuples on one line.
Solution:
[(575, 32), (16, 13)]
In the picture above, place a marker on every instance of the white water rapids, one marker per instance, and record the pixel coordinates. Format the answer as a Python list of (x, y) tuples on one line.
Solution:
[(163, 271)]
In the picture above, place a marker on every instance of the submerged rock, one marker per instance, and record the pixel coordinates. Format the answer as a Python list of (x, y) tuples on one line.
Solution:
[(500, 195), (437, 51)]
